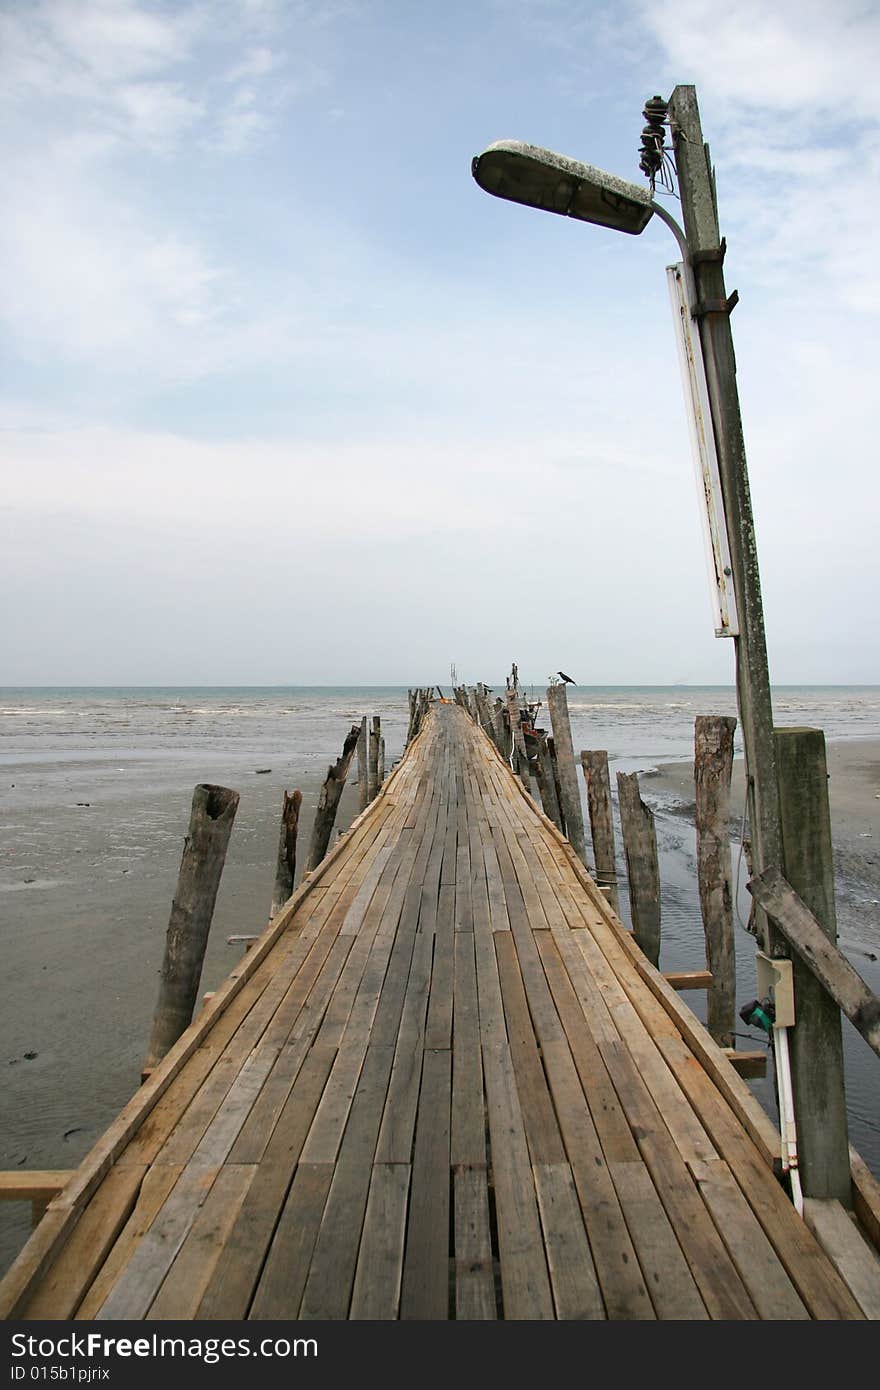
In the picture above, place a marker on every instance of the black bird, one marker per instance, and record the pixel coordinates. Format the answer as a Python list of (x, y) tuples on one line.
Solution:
[(566, 678)]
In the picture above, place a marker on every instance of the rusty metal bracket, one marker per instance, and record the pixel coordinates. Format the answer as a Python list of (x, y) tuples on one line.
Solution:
[(715, 306), (714, 256)]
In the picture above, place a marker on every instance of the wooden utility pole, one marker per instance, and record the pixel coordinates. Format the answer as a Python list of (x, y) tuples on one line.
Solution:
[(697, 189)]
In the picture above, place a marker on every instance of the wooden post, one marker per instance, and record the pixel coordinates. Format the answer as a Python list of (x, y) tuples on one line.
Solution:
[(362, 757), (328, 800), (204, 853), (713, 764), (381, 773), (554, 767), (373, 759), (570, 796), (286, 869), (519, 754), (640, 848), (502, 732), (547, 781), (815, 1042), (598, 780)]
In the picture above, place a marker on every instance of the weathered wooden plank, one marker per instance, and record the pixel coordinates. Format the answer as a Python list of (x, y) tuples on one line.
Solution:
[(155, 1188), (717, 1279), (474, 1270), (234, 1278), (573, 1279), (376, 1292), (468, 1136), (327, 1291), (525, 1283), (853, 1259), (668, 1278), (135, 1288), (769, 1287), (541, 1128), (184, 1285), (425, 1289), (279, 1291)]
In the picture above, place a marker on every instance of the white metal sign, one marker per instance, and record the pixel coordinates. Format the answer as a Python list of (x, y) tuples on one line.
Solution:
[(693, 375)]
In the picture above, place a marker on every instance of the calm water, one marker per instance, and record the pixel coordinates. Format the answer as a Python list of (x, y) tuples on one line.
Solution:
[(122, 750), (641, 724)]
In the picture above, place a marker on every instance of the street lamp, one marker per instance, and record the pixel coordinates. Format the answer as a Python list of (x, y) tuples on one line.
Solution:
[(551, 182), (541, 179)]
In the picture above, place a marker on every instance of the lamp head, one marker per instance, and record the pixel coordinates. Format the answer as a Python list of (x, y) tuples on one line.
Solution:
[(541, 179)]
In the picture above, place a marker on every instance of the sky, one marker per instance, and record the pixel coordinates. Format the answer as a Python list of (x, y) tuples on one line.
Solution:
[(287, 399)]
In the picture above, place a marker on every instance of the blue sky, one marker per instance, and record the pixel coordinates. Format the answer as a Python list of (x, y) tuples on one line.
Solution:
[(287, 398)]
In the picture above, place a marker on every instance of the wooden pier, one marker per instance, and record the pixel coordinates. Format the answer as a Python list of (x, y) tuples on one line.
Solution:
[(444, 1083)]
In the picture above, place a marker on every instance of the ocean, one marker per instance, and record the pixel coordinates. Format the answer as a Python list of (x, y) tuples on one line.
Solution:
[(95, 787)]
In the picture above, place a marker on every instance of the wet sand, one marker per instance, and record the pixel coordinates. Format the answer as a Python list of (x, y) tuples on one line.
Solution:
[(86, 884)]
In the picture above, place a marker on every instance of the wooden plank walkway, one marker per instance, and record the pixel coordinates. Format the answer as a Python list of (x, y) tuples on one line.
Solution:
[(444, 1084)]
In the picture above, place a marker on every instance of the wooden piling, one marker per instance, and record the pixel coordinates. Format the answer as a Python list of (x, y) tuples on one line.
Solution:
[(519, 756), (816, 1043), (640, 849), (328, 800), (503, 738), (373, 759), (598, 780), (713, 765), (286, 868), (204, 854), (363, 757), (547, 781), (570, 796), (554, 768), (381, 777)]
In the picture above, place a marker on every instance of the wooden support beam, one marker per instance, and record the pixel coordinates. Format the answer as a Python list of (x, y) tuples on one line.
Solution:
[(831, 968), (688, 979), (328, 801), (35, 1187), (643, 873), (748, 1064), (285, 870), (713, 765), (204, 853), (816, 1041), (598, 780)]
